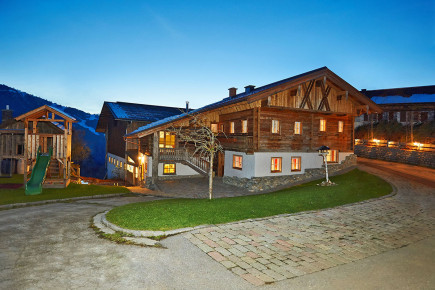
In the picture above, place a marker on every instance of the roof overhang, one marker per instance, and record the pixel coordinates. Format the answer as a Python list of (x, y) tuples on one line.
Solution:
[(42, 112)]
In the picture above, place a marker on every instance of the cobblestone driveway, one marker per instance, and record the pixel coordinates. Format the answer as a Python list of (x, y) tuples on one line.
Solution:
[(274, 249)]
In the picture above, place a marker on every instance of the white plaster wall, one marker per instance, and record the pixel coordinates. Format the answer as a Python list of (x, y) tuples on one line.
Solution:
[(180, 169), (263, 162), (248, 165), (111, 166)]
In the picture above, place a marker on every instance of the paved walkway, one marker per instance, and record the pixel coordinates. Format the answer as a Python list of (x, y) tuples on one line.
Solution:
[(275, 249)]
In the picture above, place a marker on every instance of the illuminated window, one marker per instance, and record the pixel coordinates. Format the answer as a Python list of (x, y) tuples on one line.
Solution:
[(166, 139), (275, 165), (231, 127), (275, 126), (323, 125), (120, 164), (296, 163), (297, 128), (237, 161), (340, 126), (169, 168), (214, 128), (244, 126), (332, 156), (221, 127)]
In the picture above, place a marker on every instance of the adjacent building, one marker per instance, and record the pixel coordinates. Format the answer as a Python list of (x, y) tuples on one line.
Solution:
[(118, 119)]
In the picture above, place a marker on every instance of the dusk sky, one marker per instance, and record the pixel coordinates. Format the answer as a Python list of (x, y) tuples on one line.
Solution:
[(81, 53)]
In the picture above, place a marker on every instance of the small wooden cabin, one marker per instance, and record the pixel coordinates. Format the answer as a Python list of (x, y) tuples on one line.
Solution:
[(47, 127)]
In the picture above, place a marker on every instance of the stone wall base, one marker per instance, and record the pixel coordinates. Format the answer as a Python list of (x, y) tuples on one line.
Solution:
[(420, 158), (271, 182)]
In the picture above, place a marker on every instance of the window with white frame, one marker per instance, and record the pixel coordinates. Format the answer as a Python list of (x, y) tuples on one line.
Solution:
[(237, 161), (231, 127), (296, 164), (244, 126), (297, 128), (276, 164), (322, 125), (214, 128), (275, 126), (332, 156), (340, 126)]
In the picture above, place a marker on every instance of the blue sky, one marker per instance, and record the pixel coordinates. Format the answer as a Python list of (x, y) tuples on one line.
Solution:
[(81, 53)]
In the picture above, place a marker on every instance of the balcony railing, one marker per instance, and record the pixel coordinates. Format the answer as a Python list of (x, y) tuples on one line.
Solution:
[(182, 154)]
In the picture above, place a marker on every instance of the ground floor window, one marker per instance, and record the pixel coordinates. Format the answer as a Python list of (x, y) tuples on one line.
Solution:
[(168, 168), (237, 161), (276, 164), (296, 163), (332, 156)]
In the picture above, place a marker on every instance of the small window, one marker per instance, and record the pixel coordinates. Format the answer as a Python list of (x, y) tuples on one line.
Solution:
[(297, 128), (275, 126), (214, 128), (231, 127), (244, 126), (332, 156), (222, 127), (296, 163), (340, 126), (322, 125), (169, 168), (339, 97), (275, 165), (237, 161), (120, 164), (20, 149)]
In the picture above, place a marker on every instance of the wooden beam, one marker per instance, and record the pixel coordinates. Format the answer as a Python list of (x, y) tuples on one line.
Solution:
[(46, 120), (306, 99), (155, 171), (325, 94)]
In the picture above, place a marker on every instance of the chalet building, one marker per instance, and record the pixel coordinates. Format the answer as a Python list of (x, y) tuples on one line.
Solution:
[(266, 132), (45, 129), (404, 105), (118, 119)]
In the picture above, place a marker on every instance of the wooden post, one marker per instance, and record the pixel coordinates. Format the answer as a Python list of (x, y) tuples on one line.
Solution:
[(155, 171), (26, 132), (65, 152)]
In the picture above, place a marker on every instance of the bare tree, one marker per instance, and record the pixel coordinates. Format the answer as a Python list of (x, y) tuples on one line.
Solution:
[(205, 141)]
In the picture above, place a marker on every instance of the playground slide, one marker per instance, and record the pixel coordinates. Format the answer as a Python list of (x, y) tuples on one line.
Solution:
[(34, 185)]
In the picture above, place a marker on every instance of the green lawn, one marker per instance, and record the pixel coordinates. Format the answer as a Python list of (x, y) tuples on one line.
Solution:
[(9, 196), (179, 213)]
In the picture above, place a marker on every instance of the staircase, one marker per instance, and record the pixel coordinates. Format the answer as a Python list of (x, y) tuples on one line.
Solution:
[(182, 155), (53, 169)]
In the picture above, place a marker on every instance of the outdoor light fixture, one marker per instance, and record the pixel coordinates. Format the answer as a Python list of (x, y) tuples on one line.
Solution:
[(324, 151), (418, 145)]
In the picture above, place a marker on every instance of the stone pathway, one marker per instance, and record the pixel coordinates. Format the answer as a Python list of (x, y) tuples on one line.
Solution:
[(274, 249)]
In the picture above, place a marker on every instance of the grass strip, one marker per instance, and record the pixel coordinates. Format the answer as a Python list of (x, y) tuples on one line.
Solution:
[(11, 196), (353, 186)]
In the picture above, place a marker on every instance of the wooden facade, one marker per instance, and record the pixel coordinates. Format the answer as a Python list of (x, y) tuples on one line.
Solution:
[(263, 119)]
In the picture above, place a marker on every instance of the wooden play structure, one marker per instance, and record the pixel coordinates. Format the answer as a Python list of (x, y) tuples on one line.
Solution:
[(47, 149)]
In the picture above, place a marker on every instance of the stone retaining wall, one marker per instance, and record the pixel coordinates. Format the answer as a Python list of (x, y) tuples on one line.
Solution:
[(267, 183), (420, 158)]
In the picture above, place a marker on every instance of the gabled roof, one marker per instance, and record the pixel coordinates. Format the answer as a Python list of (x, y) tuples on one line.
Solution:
[(41, 111), (134, 112), (264, 92)]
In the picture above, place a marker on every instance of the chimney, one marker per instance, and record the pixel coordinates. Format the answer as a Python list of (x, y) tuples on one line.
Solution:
[(249, 88), (187, 106), (6, 114), (233, 92)]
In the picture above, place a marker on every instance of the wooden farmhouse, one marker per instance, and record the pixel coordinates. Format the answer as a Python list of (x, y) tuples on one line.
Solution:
[(45, 129), (269, 131), (118, 119)]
